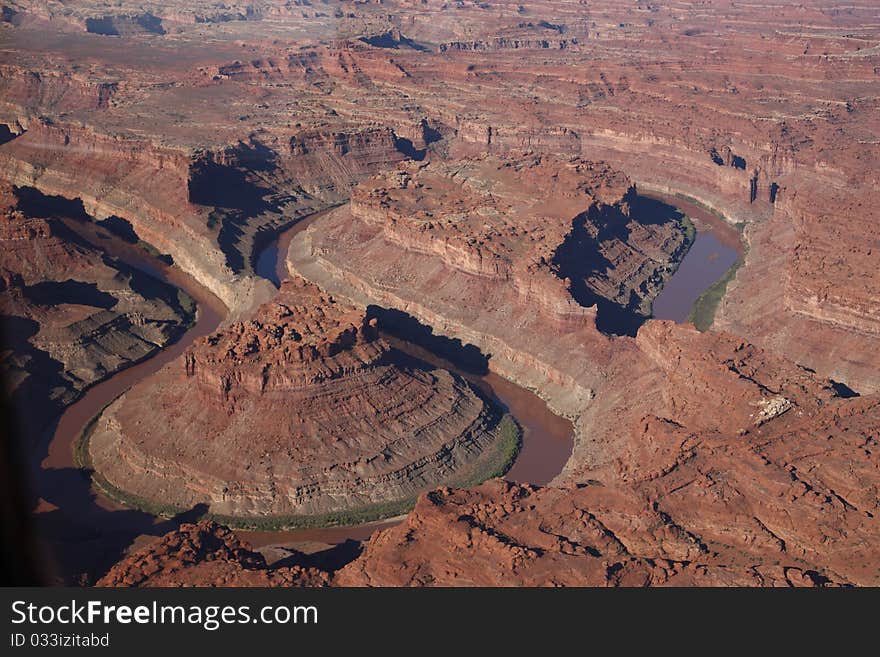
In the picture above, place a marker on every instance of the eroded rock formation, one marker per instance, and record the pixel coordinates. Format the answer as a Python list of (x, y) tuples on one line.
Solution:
[(301, 410), (779, 505), (205, 554), (749, 493), (723, 457), (71, 314), (529, 221), (742, 108)]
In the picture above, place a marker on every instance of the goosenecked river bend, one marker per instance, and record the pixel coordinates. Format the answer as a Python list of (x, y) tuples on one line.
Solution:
[(91, 531)]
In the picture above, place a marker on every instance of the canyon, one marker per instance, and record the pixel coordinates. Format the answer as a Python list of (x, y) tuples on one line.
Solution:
[(511, 186)]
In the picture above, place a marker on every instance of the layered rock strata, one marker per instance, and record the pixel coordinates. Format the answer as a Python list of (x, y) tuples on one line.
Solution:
[(766, 113), (300, 410), (206, 208), (72, 315), (758, 112), (485, 250), (771, 482), (744, 470)]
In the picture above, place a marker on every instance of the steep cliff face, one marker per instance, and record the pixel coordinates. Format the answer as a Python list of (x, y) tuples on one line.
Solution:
[(25, 91), (135, 18), (770, 126), (522, 35), (300, 410), (782, 150), (301, 339), (779, 504), (540, 223), (257, 186), (72, 315), (669, 378), (498, 253), (767, 114), (204, 208), (131, 178), (828, 316)]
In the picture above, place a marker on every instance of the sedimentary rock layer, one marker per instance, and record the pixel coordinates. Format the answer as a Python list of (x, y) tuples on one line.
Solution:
[(71, 314), (531, 221), (204, 207), (791, 501), (766, 113), (302, 409), (769, 484), (497, 253)]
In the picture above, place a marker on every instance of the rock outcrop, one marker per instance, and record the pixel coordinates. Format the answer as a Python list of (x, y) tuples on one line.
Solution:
[(779, 505), (532, 222), (790, 503), (72, 315), (794, 159), (204, 554), (502, 254), (725, 457), (302, 410)]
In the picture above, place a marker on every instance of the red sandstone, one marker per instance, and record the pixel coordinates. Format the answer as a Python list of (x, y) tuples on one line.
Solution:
[(716, 458)]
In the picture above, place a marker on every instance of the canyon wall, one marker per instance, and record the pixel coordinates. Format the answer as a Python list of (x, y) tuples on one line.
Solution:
[(725, 457), (71, 314)]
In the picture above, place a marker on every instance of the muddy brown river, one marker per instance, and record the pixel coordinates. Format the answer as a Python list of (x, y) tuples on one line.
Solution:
[(717, 247), (88, 531)]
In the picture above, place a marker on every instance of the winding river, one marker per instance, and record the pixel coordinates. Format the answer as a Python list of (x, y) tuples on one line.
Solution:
[(90, 531)]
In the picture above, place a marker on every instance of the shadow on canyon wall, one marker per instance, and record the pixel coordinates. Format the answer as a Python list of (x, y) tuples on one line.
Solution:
[(33, 203), (29, 539), (37, 525), (843, 391), (392, 41), (466, 357), (122, 228), (32, 404), (237, 192), (142, 280), (6, 135), (406, 146), (53, 293), (145, 23), (330, 560), (580, 259)]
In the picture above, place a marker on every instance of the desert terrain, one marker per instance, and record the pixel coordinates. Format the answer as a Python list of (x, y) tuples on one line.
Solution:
[(406, 293)]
